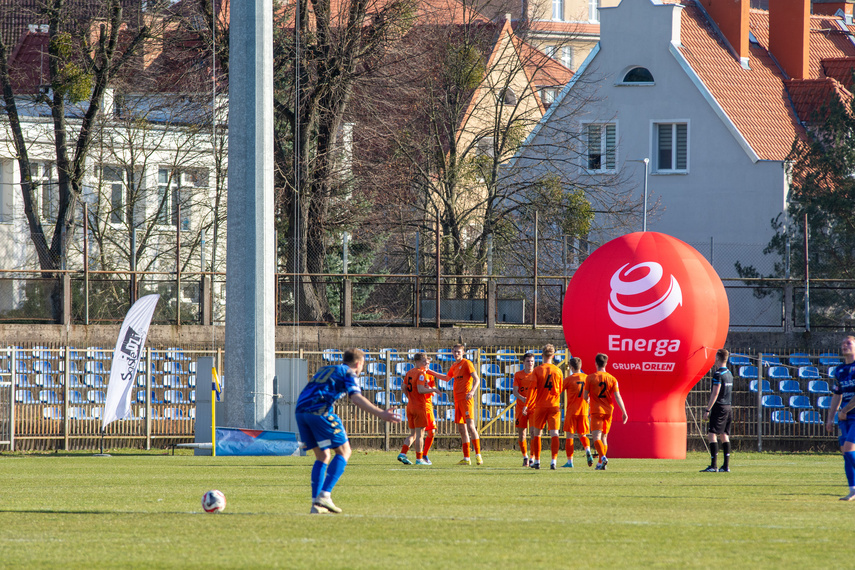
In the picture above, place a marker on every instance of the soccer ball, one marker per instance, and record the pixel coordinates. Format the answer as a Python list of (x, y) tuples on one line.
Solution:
[(213, 501)]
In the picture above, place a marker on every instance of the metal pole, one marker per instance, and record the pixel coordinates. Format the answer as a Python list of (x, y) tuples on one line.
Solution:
[(646, 162), (418, 253), (344, 251), (85, 264), (178, 262), (760, 402), (133, 294), (438, 270), (489, 254), (807, 277), (534, 312)]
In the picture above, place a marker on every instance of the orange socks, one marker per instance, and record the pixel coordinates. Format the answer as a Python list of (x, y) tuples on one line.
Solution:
[(568, 447), (428, 442), (523, 448), (535, 447), (419, 455), (586, 443), (466, 450), (405, 449), (477, 444), (601, 448), (554, 445)]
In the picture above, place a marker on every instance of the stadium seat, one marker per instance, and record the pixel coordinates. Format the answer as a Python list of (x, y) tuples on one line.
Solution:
[(174, 414), (506, 356), (191, 367), (486, 416), (808, 372), (191, 381), (377, 368), (444, 384), (811, 417), (191, 414), (485, 386), (779, 373), (52, 413), (21, 366), (141, 396), (23, 381), (799, 359), (449, 414), (331, 355), (441, 400), (411, 353), (77, 413), (46, 381), (783, 417), (95, 353), (508, 416), (823, 402), (491, 370), (175, 353), (42, 366), (435, 366), (76, 397), (504, 384), (830, 359), (173, 381), (405, 399), (193, 398), (800, 402), (772, 401), (74, 367), (49, 397), (831, 370), (74, 354), (401, 368), (392, 353), (380, 399), (752, 386), (748, 372), (472, 355), (94, 367), (96, 413), (94, 381), (96, 396), (24, 397), (771, 360), (397, 383), (369, 383), (491, 400), (444, 355), (789, 387), (174, 397), (818, 387)]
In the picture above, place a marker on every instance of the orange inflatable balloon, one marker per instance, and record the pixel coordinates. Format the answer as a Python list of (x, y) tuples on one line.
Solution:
[(658, 309)]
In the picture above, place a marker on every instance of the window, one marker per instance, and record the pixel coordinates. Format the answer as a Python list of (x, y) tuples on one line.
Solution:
[(638, 75), (113, 183), (601, 147), (167, 196), (593, 10), (567, 56), (549, 50), (558, 10), (6, 194), (177, 187), (672, 147), (45, 190), (506, 96)]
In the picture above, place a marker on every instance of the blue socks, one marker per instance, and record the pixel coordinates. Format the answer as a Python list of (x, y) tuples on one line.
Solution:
[(319, 470), (334, 472), (849, 466)]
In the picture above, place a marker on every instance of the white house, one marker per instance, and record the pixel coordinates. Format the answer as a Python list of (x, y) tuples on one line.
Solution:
[(713, 94)]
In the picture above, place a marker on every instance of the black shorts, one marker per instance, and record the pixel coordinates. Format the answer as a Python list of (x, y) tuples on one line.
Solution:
[(720, 420)]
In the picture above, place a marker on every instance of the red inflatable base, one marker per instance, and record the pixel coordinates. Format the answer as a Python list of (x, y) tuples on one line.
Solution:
[(647, 440)]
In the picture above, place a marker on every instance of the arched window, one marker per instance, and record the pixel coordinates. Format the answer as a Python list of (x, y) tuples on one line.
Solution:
[(638, 75)]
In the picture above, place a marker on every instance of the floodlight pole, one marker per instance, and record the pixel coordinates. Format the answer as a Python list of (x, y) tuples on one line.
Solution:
[(646, 162)]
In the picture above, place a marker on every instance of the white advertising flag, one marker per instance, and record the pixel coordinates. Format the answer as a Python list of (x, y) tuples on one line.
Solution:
[(126, 358)]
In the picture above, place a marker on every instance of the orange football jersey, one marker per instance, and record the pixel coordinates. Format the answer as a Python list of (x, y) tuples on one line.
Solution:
[(462, 371), (523, 382), (414, 378), (574, 387), (601, 387), (549, 383)]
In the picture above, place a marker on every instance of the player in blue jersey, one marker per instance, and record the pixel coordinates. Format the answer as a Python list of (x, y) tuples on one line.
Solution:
[(321, 430), (718, 411), (844, 389)]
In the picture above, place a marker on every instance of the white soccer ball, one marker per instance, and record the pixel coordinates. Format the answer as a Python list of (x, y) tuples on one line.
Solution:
[(213, 501)]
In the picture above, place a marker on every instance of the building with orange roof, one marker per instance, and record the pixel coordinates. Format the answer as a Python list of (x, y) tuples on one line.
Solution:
[(713, 93)]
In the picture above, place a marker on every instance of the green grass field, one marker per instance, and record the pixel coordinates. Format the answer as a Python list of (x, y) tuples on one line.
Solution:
[(143, 510)]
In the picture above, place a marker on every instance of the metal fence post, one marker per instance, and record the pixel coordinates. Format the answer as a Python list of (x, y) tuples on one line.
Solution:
[(760, 402), (534, 302)]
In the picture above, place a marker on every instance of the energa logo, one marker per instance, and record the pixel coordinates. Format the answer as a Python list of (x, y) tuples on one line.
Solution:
[(629, 300)]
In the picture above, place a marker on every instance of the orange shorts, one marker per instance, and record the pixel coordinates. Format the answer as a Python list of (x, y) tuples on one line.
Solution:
[(421, 418), (520, 420), (601, 422), (546, 417), (577, 424), (463, 409)]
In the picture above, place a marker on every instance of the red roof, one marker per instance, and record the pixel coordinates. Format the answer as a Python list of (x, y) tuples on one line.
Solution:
[(810, 96), (28, 64)]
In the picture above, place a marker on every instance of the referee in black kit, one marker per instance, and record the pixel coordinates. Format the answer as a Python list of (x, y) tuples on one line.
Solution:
[(718, 411)]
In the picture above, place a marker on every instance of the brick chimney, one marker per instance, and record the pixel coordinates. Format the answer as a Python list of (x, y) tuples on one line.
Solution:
[(731, 17), (789, 33), (830, 7)]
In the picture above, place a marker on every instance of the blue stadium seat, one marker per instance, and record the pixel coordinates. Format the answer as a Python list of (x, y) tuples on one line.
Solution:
[(449, 414), (748, 372), (506, 356), (771, 360), (21, 366), (504, 384), (52, 413), (95, 353), (485, 386), (191, 381), (77, 413), (173, 381), (94, 367), (49, 397), (368, 357), (193, 398), (42, 366), (739, 360), (94, 381), (779, 373), (435, 366), (486, 415), (23, 381), (444, 355), (752, 386), (76, 397), (783, 417), (818, 387), (508, 416), (174, 414), (46, 381), (191, 367), (393, 354), (772, 401), (175, 353), (332, 355), (491, 400), (789, 387), (823, 402), (401, 368), (141, 396), (380, 399), (491, 370), (831, 370), (830, 359), (74, 354), (472, 355), (24, 397), (96, 413), (808, 373), (377, 368), (441, 400), (811, 417), (405, 399), (800, 402), (444, 384), (369, 383), (174, 397), (397, 383), (799, 359), (74, 367), (411, 353), (96, 396)]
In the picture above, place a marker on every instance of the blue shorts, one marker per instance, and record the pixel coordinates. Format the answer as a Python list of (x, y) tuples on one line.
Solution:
[(321, 430)]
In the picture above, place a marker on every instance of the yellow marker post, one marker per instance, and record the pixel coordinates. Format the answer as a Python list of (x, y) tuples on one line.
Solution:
[(215, 389)]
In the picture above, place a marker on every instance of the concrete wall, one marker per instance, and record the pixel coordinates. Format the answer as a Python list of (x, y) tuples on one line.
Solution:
[(317, 338)]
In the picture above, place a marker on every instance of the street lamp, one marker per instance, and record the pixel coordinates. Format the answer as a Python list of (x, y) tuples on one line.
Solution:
[(646, 162)]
